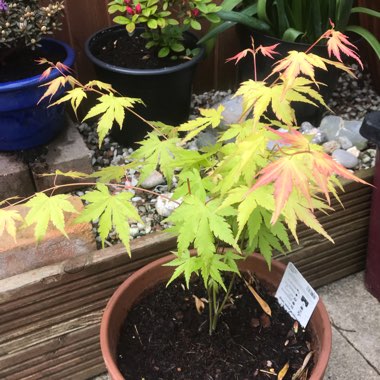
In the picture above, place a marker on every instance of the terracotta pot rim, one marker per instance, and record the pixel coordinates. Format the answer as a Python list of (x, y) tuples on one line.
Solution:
[(325, 336)]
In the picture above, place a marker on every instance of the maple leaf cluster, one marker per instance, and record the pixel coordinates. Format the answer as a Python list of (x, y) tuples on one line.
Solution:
[(245, 192)]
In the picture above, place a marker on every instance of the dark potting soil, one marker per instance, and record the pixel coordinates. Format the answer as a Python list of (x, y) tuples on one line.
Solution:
[(22, 64), (129, 52), (164, 337)]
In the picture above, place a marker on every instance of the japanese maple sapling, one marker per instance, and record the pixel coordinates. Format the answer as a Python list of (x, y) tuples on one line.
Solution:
[(240, 196)]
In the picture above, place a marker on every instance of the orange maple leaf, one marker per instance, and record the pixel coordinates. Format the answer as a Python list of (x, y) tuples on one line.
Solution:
[(268, 51), (286, 173), (55, 85), (45, 74), (292, 137), (302, 167), (338, 43), (240, 56), (324, 167)]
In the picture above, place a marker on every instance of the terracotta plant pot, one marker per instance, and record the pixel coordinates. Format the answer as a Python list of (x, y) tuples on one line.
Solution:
[(150, 275)]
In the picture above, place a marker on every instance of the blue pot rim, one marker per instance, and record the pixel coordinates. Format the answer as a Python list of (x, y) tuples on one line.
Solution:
[(35, 80), (140, 72)]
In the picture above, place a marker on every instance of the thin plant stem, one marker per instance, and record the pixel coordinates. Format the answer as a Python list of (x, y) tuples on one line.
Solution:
[(215, 307), (209, 310), (220, 309)]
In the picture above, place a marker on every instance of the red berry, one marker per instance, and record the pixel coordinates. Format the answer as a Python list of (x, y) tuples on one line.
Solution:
[(138, 8)]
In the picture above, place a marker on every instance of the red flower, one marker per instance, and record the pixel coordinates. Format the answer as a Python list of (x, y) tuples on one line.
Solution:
[(195, 12), (127, 1), (138, 8), (129, 10)]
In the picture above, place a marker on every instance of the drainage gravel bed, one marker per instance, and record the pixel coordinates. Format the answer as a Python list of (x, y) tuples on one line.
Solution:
[(338, 134)]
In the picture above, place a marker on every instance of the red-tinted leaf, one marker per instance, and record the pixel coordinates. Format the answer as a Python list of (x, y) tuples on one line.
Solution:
[(338, 43)]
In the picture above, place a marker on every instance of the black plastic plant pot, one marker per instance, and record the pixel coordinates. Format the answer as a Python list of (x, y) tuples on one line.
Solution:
[(304, 112), (166, 92), (370, 129)]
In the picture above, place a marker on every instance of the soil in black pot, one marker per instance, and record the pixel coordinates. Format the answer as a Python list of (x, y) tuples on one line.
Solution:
[(164, 337), (120, 49), (21, 63)]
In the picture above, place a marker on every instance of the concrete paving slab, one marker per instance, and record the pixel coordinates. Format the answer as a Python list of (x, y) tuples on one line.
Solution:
[(68, 152), (15, 178), (346, 363), (355, 314)]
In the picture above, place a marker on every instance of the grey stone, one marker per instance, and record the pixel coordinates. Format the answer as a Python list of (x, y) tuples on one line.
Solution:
[(319, 138), (67, 152), (371, 152), (206, 138), (345, 142), (354, 151), (335, 127), (233, 109), (15, 177), (154, 179), (308, 128), (356, 313), (351, 130), (164, 206), (331, 125), (134, 231), (331, 146), (345, 158)]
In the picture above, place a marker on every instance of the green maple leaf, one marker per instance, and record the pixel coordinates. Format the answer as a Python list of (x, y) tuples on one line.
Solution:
[(159, 154), (44, 209), (210, 118), (213, 265), (244, 159), (112, 109), (8, 219), (198, 222), (75, 96), (198, 186), (70, 174), (186, 265), (112, 210), (110, 173), (298, 209)]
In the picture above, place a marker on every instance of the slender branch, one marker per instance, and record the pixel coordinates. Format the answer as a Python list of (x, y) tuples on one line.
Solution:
[(84, 184)]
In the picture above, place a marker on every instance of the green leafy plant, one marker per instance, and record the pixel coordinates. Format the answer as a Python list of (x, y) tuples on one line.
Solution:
[(243, 195), (295, 20), (25, 22), (164, 21)]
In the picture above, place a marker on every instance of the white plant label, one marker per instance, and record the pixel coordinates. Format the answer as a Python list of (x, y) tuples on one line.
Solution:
[(296, 296)]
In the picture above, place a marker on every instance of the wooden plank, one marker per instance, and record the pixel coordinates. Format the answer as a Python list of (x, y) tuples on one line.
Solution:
[(35, 366), (13, 362), (21, 342), (87, 373)]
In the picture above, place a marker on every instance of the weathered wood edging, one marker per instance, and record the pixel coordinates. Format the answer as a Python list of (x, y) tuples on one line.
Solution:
[(49, 317)]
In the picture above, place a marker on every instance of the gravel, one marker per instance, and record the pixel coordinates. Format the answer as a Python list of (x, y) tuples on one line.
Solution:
[(351, 100)]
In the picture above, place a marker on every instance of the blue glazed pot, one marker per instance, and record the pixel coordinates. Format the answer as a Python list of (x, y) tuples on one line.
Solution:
[(23, 123)]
